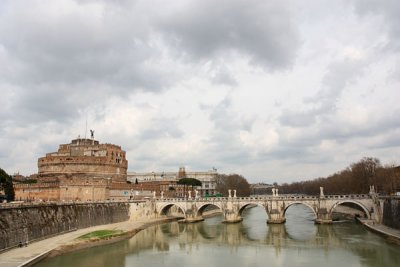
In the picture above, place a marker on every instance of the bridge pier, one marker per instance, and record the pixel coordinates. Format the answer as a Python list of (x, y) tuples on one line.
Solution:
[(323, 215), (276, 211), (232, 217), (275, 217), (323, 219), (191, 220), (231, 210), (191, 214)]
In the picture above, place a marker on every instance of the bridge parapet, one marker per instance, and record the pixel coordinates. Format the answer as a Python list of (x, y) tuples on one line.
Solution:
[(268, 198), (358, 196)]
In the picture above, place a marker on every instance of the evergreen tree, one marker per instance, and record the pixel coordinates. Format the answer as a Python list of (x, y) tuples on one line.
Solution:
[(7, 185)]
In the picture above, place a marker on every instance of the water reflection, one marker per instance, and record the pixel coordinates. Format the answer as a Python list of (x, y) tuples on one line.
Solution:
[(298, 242)]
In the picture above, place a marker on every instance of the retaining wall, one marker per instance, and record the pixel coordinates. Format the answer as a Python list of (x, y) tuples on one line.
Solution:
[(391, 212), (27, 223)]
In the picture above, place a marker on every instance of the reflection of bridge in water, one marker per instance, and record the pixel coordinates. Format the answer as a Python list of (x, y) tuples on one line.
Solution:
[(188, 237), (275, 206)]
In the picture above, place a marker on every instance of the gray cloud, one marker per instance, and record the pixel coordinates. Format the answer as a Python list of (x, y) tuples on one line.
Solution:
[(161, 128), (339, 75), (377, 125), (224, 144), (222, 76), (60, 59), (260, 30), (297, 118), (389, 11), (73, 46)]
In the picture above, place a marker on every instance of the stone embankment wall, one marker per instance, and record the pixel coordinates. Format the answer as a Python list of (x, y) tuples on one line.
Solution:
[(391, 212), (26, 223)]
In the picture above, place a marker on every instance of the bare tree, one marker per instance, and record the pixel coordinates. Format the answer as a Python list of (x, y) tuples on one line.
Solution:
[(233, 182), (355, 179)]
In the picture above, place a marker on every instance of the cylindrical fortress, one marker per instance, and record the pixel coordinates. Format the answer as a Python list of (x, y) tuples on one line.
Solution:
[(87, 158)]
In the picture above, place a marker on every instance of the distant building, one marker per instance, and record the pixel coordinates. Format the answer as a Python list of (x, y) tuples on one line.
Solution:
[(261, 189), (167, 180)]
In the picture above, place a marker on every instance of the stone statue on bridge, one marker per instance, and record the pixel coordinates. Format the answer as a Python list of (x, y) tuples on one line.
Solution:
[(274, 192)]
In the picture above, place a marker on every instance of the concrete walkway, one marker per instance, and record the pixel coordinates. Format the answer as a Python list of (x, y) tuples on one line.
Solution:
[(382, 229), (20, 256)]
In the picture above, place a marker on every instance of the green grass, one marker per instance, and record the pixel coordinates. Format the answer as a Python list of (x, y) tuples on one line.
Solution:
[(101, 234)]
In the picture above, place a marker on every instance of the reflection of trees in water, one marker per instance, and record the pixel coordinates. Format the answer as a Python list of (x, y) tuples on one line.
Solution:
[(172, 229), (209, 231), (372, 252), (101, 256)]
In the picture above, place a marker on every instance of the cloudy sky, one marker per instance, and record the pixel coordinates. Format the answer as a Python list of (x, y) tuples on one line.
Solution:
[(274, 90)]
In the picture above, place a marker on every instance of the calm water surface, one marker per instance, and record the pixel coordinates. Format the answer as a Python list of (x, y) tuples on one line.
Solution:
[(251, 243)]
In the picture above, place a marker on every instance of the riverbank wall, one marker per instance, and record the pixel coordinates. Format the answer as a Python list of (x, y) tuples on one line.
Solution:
[(391, 213), (25, 223)]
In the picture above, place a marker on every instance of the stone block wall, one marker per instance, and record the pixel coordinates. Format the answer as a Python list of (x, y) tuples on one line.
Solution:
[(27, 223), (84, 192), (391, 213), (36, 192)]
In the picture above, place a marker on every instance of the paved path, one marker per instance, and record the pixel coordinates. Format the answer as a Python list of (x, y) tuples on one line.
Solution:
[(380, 228), (18, 256)]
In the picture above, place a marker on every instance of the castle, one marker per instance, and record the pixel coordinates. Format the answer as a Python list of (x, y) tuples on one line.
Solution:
[(85, 158), (82, 170)]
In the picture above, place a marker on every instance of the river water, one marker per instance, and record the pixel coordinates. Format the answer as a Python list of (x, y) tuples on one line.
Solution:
[(298, 242)]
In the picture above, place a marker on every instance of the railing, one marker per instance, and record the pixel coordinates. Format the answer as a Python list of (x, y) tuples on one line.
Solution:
[(282, 197)]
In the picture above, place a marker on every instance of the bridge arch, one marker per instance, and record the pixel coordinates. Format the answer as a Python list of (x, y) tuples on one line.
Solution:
[(243, 207), (165, 208), (202, 208), (366, 211), (301, 203)]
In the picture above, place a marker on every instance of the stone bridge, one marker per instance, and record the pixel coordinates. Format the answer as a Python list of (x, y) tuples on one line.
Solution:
[(275, 206)]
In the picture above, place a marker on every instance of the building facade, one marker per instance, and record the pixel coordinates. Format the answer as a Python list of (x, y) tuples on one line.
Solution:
[(169, 180)]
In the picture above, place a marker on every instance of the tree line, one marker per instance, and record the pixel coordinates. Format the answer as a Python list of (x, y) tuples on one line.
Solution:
[(234, 182), (354, 179)]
